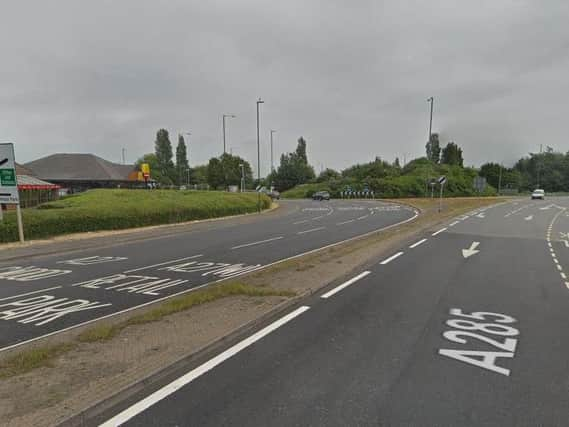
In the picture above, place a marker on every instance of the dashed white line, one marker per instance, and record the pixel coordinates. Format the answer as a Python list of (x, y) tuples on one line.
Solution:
[(317, 217), (300, 222), (164, 263), (440, 231), (420, 242), (345, 284), (346, 222), (563, 276), (559, 267), (391, 258), (311, 230), (257, 243), (177, 384), (363, 217), (452, 224)]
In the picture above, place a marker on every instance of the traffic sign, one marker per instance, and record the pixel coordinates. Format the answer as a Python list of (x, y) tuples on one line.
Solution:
[(442, 180), (8, 182), (479, 184)]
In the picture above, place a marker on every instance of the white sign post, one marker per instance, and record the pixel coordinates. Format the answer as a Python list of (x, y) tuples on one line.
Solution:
[(442, 181), (9, 184)]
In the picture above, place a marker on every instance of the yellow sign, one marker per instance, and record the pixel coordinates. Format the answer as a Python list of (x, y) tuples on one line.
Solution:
[(145, 168)]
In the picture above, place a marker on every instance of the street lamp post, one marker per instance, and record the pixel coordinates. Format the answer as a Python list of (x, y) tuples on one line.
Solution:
[(242, 166), (431, 100), (272, 159), (231, 116), (259, 101)]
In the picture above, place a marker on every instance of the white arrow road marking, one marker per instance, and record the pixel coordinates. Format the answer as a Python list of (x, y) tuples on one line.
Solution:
[(466, 253), (529, 218)]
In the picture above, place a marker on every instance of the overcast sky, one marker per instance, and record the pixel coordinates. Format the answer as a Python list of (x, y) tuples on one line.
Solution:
[(351, 76)]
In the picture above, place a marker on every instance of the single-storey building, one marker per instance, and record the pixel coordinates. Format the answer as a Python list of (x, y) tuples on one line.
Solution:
[(80, 172)]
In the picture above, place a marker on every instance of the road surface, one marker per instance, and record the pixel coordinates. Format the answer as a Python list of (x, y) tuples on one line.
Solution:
[(43, 295), (464, 326)]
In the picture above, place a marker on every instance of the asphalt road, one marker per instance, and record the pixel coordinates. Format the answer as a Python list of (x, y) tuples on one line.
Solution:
[(464, 326), (42, 295)]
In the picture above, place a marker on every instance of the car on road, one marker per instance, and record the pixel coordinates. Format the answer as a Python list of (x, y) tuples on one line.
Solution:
[(321, 195), (538, 194)]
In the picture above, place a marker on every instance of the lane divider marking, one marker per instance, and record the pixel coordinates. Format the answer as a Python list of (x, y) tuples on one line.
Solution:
[(345, 284), (164, 263), (452, 224), (311, 230), (184, 380), (420, 242), (257, 243), (440, 231), (363, 217), (346, 222), (300, 222), (391, 258)]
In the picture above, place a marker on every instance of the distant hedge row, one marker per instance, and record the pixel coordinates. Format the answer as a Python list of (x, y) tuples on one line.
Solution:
[(119, 209)]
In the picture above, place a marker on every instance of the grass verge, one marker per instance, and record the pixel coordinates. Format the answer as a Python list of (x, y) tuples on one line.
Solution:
[(107, 209), (44, 356)]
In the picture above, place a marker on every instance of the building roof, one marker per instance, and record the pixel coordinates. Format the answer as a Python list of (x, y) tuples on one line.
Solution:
[(78, 167), (21, 170), (26, 182)]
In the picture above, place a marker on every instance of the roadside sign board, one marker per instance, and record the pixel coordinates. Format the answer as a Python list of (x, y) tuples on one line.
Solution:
[(442, 180), (479, 184), (8, 181)]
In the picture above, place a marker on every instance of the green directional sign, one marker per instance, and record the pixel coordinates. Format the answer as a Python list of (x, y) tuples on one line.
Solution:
[(8, 177)]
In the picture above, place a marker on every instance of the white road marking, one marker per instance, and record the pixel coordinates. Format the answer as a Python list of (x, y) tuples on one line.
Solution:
[(345, 284), (481, 215), (184, 380), (92, 260), (311, 230), (346, 222), (31, 273), (420, 242), (163, 263), (559, 267), (363, 217), (317, 217), (300, 222), (391, 258), (257, 243), (563, 276), (466, 253), (555, 260), (529, 218), (440, 231), (452, 224), (30, 293)]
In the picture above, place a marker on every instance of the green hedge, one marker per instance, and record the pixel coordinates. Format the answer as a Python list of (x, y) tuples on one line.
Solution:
[(119, 209)]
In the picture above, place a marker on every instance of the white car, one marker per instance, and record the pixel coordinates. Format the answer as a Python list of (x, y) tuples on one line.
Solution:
[(538, 194)]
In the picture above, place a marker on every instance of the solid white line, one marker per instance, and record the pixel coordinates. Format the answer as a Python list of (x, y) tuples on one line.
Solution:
[(300, 222), (346, 222), (345, 284), (163, 263), (317, 217), (452, 224), (30, 293), (363, 217), (311, 230), (184, 380), (420, 242), (257, 243), (440, 231), (391, 258)]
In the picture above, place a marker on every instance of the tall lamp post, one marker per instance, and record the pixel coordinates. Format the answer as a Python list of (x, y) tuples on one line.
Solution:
[(272, 159), (431, 100), (259, 102), (188, 155), (242, 166), (225, 116)]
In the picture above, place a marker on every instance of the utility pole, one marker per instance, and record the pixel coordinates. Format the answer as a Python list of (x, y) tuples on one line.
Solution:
[(431, 100), (242, 166), (500, 180), (259, 101), (272, 159), (539, 166), (124, 156), (231, 116)]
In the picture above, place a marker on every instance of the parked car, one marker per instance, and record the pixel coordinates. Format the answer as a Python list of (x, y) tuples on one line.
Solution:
[(538, 194), (321, 195)]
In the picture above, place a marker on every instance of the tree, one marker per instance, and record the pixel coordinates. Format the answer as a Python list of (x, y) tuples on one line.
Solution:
[(434, 148), (199, 174), (163, 150), (182, 164), (452, 155), (396, 163), (225, 170), (327, 175), (294, 168)]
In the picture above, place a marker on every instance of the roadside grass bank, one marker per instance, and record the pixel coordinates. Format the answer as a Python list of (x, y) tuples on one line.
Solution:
[(111, 359), (107, 209), (29, 360)]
